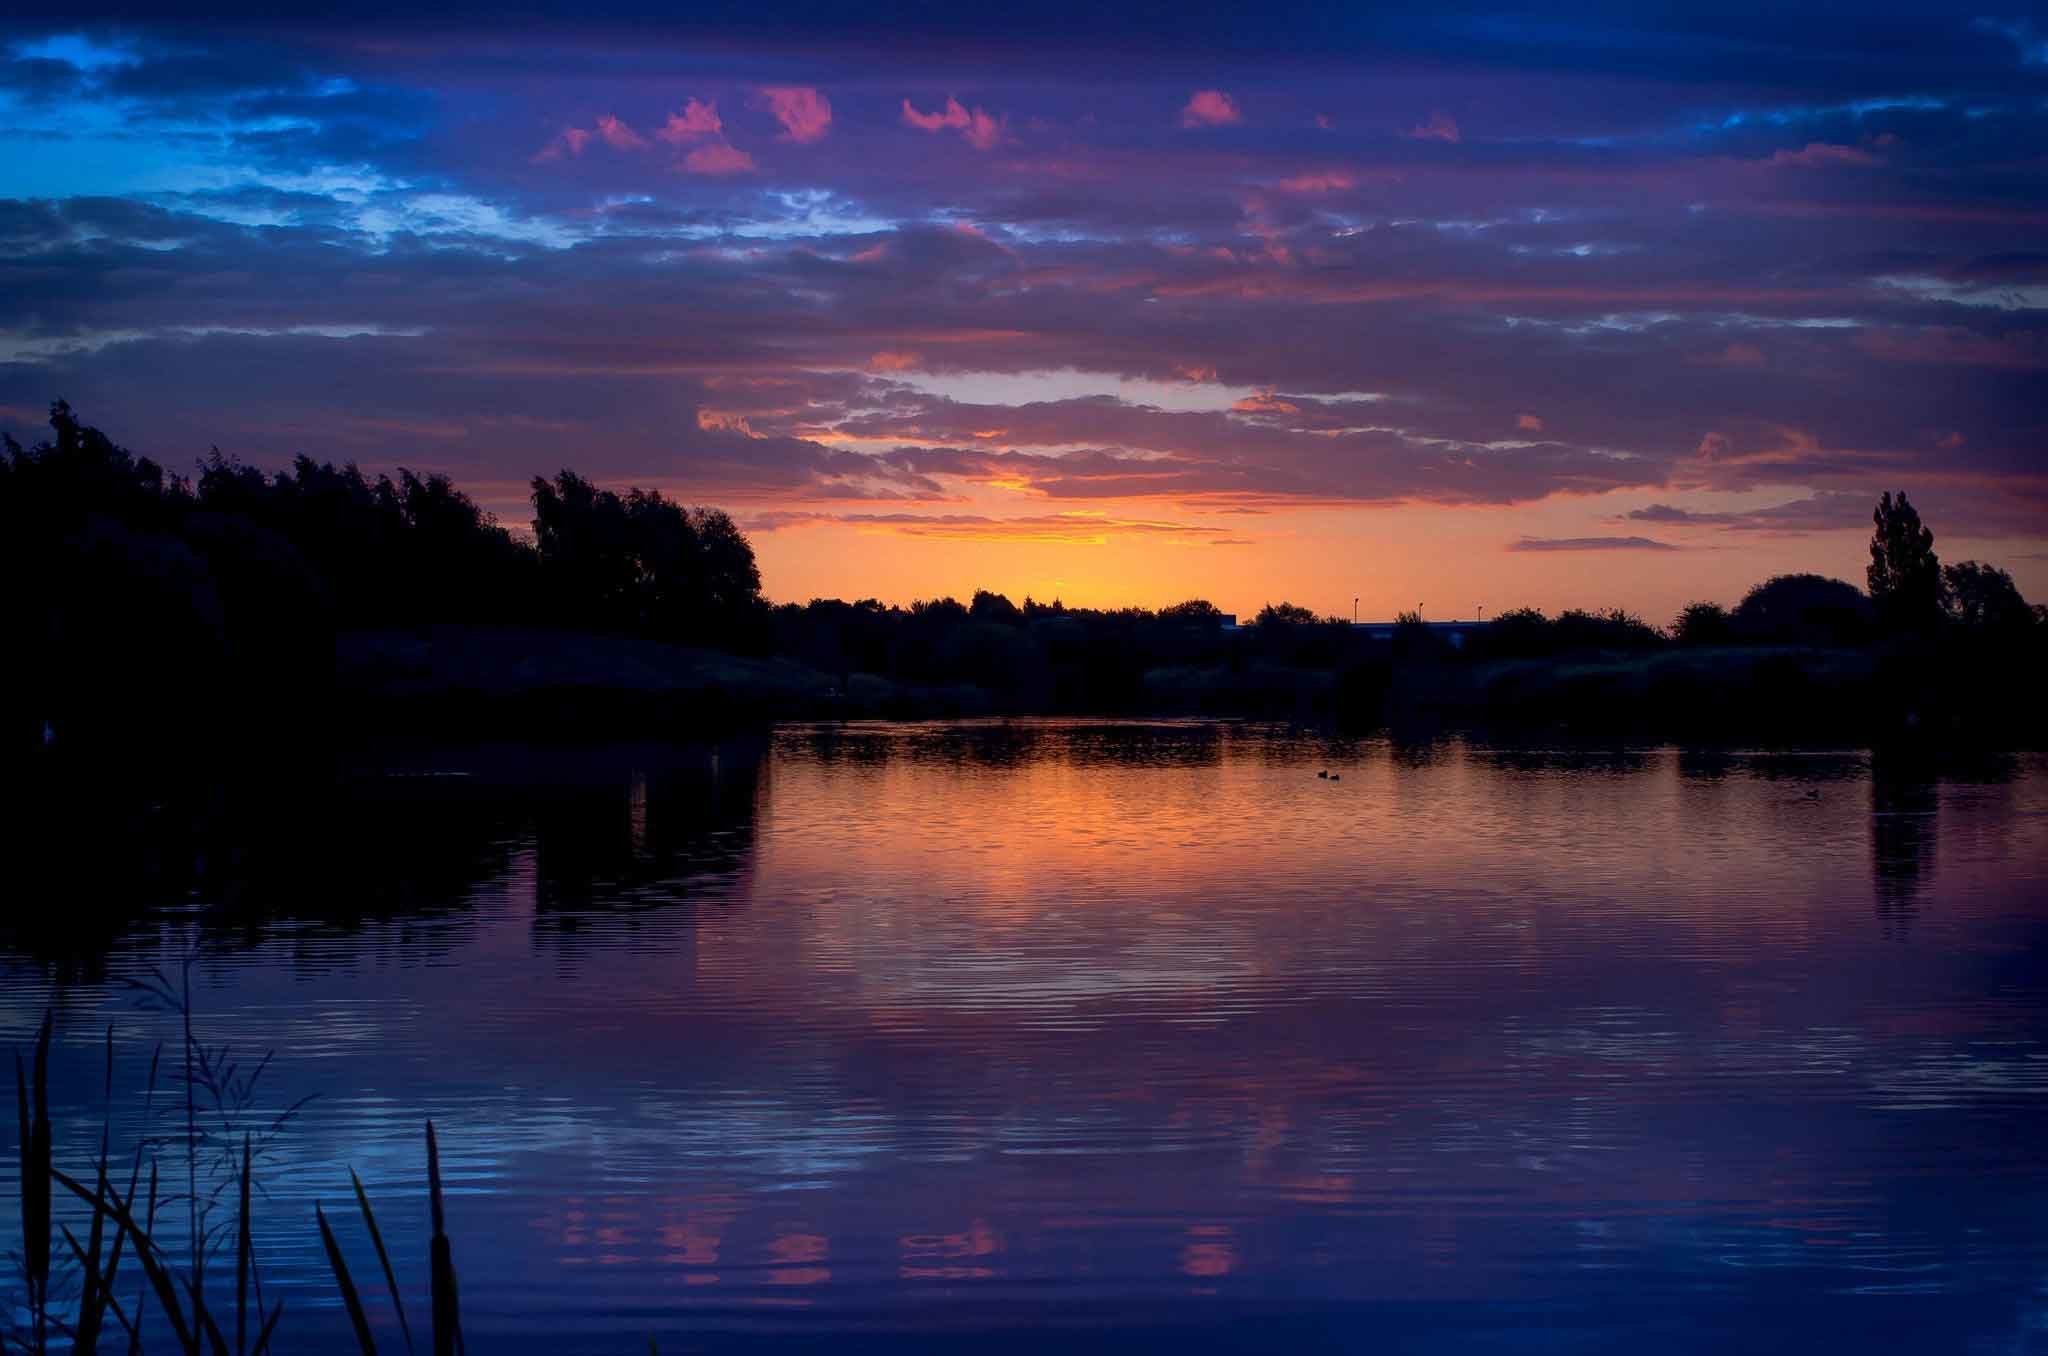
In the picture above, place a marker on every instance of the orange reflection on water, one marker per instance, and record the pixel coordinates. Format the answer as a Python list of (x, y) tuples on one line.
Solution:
[(788, 1248), (945, 1257), (1210, 1251)]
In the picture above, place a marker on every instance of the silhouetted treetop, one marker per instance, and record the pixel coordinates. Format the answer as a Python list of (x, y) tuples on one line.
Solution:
[(994, 607), (1977, 594), (640, 562), (1702, 624), (1286, 614), (1904, 576), (1805, 609)]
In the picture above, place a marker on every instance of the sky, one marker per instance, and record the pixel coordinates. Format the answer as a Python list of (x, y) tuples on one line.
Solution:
[(1455, 309)]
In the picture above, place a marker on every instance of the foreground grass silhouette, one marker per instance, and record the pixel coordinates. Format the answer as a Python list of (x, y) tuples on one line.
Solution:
[(199, 1326)]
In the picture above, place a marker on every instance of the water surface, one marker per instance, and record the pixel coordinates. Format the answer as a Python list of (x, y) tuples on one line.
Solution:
[(1120, 1036)]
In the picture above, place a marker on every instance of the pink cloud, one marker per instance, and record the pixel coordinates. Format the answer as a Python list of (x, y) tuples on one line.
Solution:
[(1735, 355), (887, 361), (1210, 108), (718, 158), (1265, 402), (1323, 121), (1952, 442), (804, 113), (1529, 423), (698, 119), (983, 131), (1820, 154), (570, 143), (1948, 344), (618, 136), (1440, 127), (1334, 181)]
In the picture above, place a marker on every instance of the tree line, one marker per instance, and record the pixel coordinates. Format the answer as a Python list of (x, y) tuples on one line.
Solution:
[(218, 596)]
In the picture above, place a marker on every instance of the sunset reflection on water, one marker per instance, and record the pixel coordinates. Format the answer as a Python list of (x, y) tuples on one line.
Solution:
[(916, 1032)]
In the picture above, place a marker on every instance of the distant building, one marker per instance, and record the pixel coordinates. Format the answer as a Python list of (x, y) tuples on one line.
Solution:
[(1452, 633)]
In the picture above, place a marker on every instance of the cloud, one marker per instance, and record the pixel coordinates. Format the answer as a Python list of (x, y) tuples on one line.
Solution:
[(1821, 155), (718, 157), (1670, 513), (618, 136), (982, 131), (569, 142), (1073, 529), (1734, 355), (2020, 350), (698, 119), (1833, 510), (1632, 225), (1440, 127), (1589, 544), (1529, 423), (1329, 181), (805, 113), (1210, 108), (1265, 402), (573, 141)]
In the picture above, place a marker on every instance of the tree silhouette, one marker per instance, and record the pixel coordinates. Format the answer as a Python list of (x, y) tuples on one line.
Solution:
[(1193, 610), (1286, 614), (1984, 595), (640, 562), (1905, 576), (1802, 609), (1701, 624)]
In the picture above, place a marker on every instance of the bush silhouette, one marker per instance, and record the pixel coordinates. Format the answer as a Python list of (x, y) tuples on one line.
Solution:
[(1803, 609)]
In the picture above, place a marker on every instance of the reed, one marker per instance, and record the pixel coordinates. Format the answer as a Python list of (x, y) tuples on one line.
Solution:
[(383, 1257), (447, 1313), (346, 1284), (116, 1230), (34, 1111)]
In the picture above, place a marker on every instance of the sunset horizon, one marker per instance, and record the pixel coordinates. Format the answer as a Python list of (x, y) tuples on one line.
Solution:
[(1370, 308)]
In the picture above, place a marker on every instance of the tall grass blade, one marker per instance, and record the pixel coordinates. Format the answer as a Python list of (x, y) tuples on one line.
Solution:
[(383, 1257), (142, 1242), (346, 1285), (147, 1253), (245, 1252), (34, 1109), (447, 1312), (113, 1305), (92, 1306), (269, 1327), (203, 1324), (91, 1303)]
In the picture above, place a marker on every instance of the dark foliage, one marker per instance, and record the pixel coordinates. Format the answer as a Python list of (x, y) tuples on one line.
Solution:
[(140, 600), (159, 613), (641, 563), (1525, 633), (1980, 595), (1702, 624), (1802, 609), (1905, 576)]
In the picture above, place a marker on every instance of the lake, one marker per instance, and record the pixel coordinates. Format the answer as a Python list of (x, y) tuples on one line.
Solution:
[(1121, 1036)]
